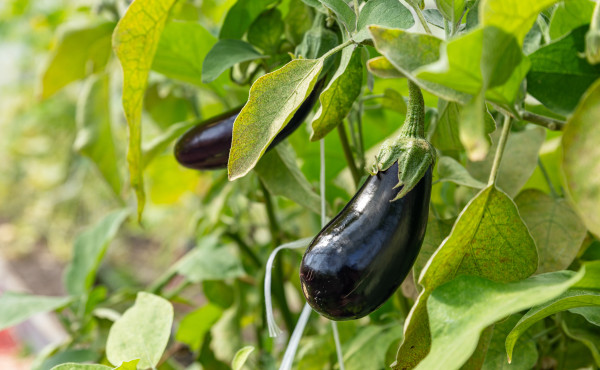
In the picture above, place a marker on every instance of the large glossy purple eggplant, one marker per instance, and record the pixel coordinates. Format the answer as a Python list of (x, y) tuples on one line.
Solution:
[(362, 256), (206, 146)]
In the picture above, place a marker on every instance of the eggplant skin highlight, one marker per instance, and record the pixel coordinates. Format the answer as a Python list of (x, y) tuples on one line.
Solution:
[(206, 146), (362, 256)]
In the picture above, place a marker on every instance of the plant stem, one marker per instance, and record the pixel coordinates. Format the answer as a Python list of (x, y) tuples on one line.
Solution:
[(421, 17), (279, 291), (500, 149), (414, 125), (348, 153), (336, 49), (356, 11), (245, 248), (553, 191), (547, 122)]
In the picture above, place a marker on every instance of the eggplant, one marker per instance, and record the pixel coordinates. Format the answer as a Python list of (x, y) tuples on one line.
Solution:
[(206, 146), (361, 257)]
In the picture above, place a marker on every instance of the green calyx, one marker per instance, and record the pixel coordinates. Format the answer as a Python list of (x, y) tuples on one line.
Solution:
[(414, 154)]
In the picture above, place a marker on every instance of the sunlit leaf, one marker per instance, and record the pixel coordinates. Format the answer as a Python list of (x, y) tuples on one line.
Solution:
[(18, 307), (135, 41), (88, 251), (460, 310), (488, 240), (274, 98), (382, 68), (339, 95), (556, 229), (80, 51), (580, 159), (142, 332), (384, 13), (569, 15), (452, 10), (94, 132), (194, 326), (241, 357)]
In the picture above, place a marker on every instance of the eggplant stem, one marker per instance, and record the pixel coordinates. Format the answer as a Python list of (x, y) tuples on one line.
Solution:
[(414, 125)]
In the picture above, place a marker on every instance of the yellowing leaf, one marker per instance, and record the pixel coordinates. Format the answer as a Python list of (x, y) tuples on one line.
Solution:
[(135, 41), (274, 98)]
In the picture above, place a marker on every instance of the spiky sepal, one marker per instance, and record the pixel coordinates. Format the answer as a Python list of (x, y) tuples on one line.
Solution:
[(414, 156)]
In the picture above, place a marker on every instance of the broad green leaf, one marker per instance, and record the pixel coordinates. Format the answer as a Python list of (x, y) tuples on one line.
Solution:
[(437, 231), (525, 356), (226, 335), (241, 357), (488, 240), (297, 21), (580, 159), (513, 16), (559, 64), (128, 365), (52, 358), (18, 307), (224, 55), (578, 329), (569, 15), (471, 63), (265, 32), (80, 51), (381, 67), (446, 136), (393, 100), (274, 98), (555, 227), (75, 366), (142, 332), (181, 51), (209, 261), (317, 41), (472, 128), (88, 251), (591, 314), (460, 310), (408, 52), (570, 299), (194, 326), (367, 350), (339, 95), (135, 41), (450, 170), (241, 16), (591, 280), (452, 10), (343, 12), (518, 162), (281, 175), (168, 181), (94, 132), (384, 13)]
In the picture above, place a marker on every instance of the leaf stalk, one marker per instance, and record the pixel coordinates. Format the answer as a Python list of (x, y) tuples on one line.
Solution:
[(500, 149)]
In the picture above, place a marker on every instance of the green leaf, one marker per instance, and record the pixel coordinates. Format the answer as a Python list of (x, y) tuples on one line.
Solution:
[(274, 98), (460, 310), (194, 326), (158, 145), (437, 231), (224, 55), (18, 307), (94, 132), (367, 350), (241, 16), (142, 332), (407, 52), (450, 170), (570, 299), (556, 229), (472, 132), (52, 358), (181, 51), (297, 21), (209, 261), (525, 356), (88, 252), (265, 33), (393, 100), (339, 95), (434, 17), (559, 64), (317, 41), (569, 15), (513, 16), (241, 357), (591, 280), (381, 67), (384, 13), (580, 158), (488, 240), (452, 10), (75, 366), (281, 175), (578, 329), (446, 136), (518, 162), (128, 365), (135, 41), (343, 12), (80, 51)]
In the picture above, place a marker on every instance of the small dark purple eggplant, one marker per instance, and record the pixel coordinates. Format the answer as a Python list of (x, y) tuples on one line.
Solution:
[(206, 146), (361, 257)]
